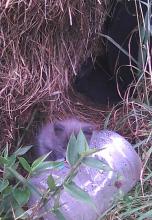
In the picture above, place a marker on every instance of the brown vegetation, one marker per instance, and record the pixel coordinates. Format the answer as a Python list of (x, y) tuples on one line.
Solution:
[(42, 45)]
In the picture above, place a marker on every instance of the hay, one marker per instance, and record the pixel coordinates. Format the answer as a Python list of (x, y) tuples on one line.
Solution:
[(42, 45)]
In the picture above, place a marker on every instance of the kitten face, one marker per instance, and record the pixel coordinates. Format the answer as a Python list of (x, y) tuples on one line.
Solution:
[(55, 136)]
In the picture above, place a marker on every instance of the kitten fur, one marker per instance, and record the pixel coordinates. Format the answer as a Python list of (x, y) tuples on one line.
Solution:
[(54, 137)]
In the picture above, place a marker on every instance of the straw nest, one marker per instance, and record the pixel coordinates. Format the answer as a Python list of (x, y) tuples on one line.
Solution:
[(42, 45)]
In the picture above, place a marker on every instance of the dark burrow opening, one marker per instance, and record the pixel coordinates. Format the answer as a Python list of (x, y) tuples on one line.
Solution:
[(116, 70)]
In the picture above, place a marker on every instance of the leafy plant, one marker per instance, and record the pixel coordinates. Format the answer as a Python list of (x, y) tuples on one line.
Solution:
[(78, 153), (16, 188)]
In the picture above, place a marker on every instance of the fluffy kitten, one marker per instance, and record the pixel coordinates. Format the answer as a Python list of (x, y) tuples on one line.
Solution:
[(55, 136)]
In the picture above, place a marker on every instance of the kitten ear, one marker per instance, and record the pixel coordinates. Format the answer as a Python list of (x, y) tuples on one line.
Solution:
[(58, 128)]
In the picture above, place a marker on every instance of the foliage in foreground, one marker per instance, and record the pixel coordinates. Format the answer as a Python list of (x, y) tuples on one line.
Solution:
[(15, 189)]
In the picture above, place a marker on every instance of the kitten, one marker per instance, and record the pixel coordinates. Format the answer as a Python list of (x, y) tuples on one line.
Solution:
[(55, 136)]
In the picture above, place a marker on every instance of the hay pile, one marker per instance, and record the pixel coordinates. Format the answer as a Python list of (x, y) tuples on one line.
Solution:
[(42, 45)]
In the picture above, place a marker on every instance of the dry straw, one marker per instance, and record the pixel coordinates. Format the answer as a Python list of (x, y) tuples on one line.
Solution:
[(42, 45)]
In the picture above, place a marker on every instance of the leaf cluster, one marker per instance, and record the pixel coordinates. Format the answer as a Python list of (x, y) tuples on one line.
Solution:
[(16, 187)]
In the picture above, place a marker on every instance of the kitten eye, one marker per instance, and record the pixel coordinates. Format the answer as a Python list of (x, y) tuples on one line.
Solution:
[(58, 129), (87, 131)]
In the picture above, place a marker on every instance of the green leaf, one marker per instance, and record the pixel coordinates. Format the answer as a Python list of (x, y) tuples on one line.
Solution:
[(59, 214), (20, 214), (24, 164), (7, 191), (11, 160), (51, 183), (76, 147), (81, 143), (3, 160), (39, 161), (95, 163), (71, 153), (22, 150), (79, 194), (21, 196), (7, 174), (48, 165), (3, 184), (8, 161)]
